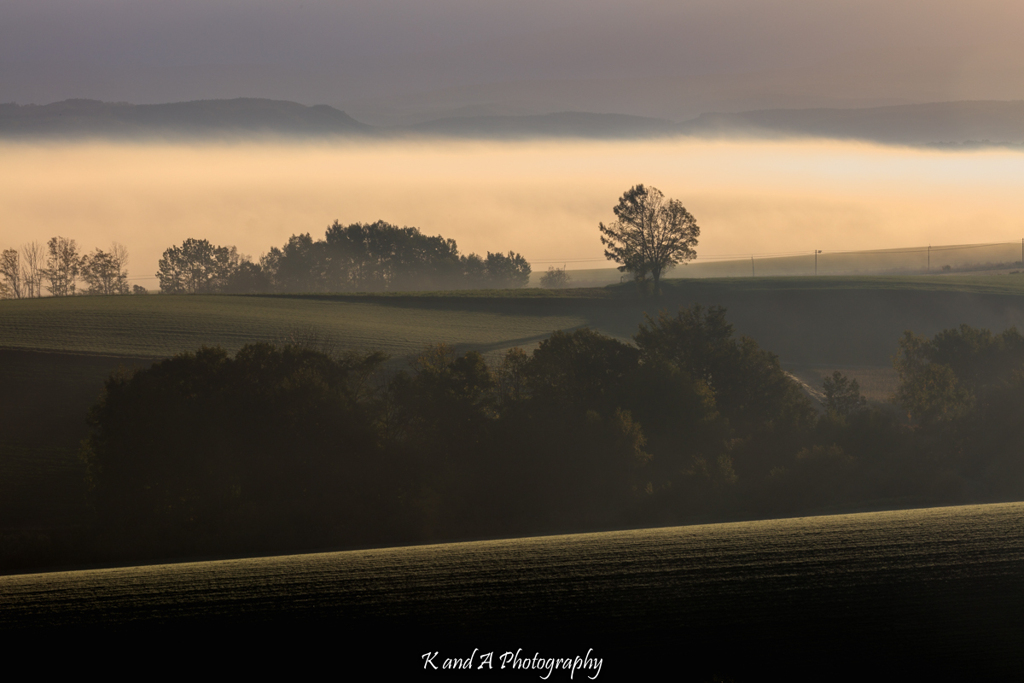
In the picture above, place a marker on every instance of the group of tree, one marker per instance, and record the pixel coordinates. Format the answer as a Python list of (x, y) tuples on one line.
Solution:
[(371, 257), (22, 273), (59, 268), (648, 236), (198, 267), (291, 446), (962, 395)]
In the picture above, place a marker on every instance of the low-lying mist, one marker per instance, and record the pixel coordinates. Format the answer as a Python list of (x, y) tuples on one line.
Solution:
[(543, 199)]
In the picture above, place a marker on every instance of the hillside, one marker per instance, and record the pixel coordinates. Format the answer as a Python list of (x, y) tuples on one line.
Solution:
[(903, 592), (56, 353), (801, 319)]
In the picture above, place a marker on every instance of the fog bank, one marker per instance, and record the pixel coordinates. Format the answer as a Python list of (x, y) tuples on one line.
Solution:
[(542, 199)]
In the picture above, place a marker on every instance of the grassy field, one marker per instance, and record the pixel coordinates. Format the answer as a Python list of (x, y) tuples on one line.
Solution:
[(55, 353), (892, 595), (156, 326)]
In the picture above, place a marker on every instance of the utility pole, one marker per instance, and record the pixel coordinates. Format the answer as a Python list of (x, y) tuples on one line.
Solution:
[(816, 252)]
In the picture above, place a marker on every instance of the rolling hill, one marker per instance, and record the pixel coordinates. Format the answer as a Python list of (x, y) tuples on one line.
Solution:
[(55, 353)]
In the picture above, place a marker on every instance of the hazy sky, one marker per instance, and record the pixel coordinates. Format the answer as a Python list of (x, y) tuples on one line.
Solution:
[(391, 60)]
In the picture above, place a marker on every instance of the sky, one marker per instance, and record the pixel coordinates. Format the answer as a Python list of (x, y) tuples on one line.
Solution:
[(391, 61), (401, 61)]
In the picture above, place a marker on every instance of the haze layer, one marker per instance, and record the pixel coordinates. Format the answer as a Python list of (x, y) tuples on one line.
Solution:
[(542, 199)]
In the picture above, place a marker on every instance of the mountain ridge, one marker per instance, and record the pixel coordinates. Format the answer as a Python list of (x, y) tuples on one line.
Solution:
[(956, 123), (999, 122), (243, 115)]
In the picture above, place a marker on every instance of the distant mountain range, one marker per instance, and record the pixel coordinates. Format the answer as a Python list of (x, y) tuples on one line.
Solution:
[(203, 118), (940, 123), (563, 124)]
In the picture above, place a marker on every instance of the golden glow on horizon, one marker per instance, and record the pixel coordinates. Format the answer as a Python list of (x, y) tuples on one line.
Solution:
[(543, 199)]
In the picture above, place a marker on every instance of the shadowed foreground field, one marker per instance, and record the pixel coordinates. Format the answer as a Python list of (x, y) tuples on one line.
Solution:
[(889, 595)]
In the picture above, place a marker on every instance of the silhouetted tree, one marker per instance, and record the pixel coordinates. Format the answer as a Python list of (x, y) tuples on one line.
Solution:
[(33, 257), (763, 407), (842, 395), (196, 267), (961, 392), (473, 272), (582, 369), (302, 444), (105, 272), (205, 448), (380, 256), (555, 278), (11, 272), (510, 378), (247, 278), (507, 271), (383, 257), (447, 398), (297, 267), (649, 234), (928, 391), (62, 266)]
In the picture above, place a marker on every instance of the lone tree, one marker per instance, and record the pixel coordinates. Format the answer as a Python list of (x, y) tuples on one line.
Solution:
[(650, 234), (555, 278)]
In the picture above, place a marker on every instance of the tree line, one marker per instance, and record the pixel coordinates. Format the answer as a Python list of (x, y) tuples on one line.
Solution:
[(365, 257), (292, 447), (60, 268), (371, 257)]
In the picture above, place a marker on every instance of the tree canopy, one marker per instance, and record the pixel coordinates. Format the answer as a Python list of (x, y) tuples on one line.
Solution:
[(280, 448), (555, 278), (63, 266), (22, 273), (842, 395), (361, 257), (649, 234), (196, 267), (105, 272), (379, 256), (292, 442)]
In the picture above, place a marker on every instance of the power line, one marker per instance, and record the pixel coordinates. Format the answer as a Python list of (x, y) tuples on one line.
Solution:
[(808, 252)]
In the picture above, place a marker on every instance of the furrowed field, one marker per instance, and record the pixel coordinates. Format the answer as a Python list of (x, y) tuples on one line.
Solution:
[(900, 595), (889, 595)]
